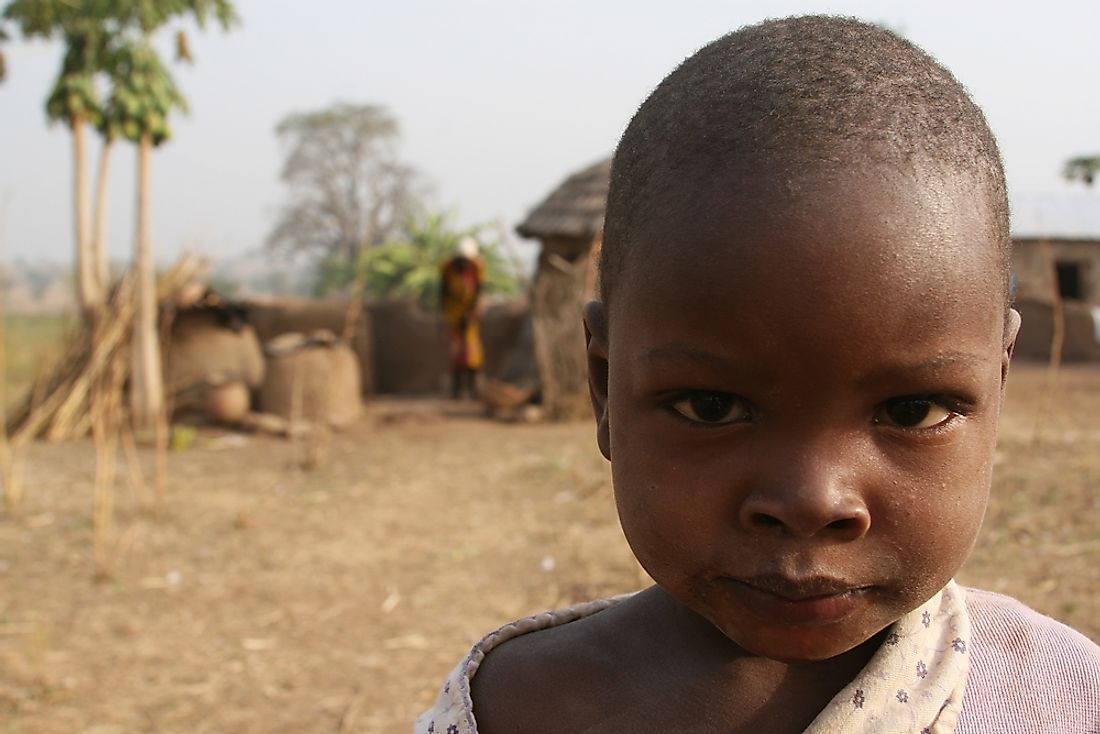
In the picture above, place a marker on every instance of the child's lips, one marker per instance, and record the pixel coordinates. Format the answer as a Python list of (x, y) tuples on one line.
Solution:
[(807, 602)]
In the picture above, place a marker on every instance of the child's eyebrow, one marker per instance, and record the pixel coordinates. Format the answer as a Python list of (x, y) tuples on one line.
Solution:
[(681, 354), (686, 356), (937, 365)]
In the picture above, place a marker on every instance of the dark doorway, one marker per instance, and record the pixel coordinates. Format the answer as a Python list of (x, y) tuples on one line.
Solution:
[(1069, 281)]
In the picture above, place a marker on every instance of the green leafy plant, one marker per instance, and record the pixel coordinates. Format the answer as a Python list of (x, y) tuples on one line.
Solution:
[(410, 267)]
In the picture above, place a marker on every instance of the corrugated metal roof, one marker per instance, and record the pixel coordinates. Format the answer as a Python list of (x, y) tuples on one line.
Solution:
[(1073, 216), (573, 209)]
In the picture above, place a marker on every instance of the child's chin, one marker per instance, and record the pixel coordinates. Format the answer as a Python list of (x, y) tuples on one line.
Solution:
[(806, 655), (804, 644)]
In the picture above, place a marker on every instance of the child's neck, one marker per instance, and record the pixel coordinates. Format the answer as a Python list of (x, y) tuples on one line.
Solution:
[(771, 692)]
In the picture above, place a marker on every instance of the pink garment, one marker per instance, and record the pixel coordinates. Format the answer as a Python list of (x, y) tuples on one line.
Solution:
[(1028, 673)]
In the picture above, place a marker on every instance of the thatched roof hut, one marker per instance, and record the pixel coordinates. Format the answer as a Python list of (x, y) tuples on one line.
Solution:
[(569, 224), (574, 210)]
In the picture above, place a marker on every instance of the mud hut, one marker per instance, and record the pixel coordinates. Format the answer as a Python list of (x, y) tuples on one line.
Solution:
[(1056, 268), (569, 226), (1069, 266), (213, 361), (1063, 270)]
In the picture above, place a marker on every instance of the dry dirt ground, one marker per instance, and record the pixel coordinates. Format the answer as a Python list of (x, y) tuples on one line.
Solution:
[(271, 598)]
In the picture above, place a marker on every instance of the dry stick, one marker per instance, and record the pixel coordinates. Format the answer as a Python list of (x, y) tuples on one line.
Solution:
[(104, 501), (115, 379), (38, 390), (160, 458), (81, 425), (106, 406), (13, 490), (138, 489), (351, 714), (48, 381), (100, 518), (13, 474), (98, 409), (293, 430), (62, 401), (355, 308), (543, 348), (1057, 340), (59, 405), (160, 434)]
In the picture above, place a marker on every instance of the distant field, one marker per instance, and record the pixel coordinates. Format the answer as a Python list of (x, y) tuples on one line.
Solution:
[(33, 344), (275, 595)]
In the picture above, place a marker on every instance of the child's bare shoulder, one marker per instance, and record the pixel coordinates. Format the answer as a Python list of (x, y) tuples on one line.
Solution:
[(556, 679)]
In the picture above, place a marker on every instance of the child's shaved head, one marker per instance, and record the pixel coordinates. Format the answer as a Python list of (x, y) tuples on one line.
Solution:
[(759, 109)]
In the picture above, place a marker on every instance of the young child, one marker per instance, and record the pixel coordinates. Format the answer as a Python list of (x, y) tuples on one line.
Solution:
[(797, 363)]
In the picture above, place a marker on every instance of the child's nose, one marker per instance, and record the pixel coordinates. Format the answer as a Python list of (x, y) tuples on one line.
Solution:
[(810, 499)]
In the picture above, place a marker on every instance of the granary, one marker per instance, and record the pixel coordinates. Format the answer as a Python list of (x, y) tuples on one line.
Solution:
[(569, 224), (213, 360), (1056, 270)]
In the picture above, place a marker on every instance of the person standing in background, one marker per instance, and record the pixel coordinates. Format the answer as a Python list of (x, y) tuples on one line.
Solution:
[(461, 277)]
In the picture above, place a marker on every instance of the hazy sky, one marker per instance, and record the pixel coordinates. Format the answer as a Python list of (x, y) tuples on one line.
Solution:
[(498, 100)]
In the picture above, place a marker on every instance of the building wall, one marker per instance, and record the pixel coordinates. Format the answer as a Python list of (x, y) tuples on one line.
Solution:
[(564, 280), (401, 349), (1035, 279)]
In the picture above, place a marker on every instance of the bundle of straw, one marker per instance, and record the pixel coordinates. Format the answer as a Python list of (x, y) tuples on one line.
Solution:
[(96, 363)]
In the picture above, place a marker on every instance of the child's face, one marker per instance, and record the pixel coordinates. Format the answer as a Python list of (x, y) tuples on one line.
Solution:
[(802, 404)]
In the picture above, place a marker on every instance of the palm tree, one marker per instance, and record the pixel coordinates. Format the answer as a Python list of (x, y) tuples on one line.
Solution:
[(3, 64), (74, 101), (143, 97), (112, 38)]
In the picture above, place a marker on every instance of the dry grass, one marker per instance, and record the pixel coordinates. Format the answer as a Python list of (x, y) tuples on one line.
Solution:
[(270, 599)]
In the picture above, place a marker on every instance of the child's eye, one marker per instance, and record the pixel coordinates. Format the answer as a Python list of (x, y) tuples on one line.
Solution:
[(915, 411), (703, 406)]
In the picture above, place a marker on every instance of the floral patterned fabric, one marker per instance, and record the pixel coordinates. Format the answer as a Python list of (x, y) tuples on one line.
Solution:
[(966, 661), (915, 682)]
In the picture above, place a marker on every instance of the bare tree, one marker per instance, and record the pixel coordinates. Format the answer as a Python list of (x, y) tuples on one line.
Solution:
[(348, 189)]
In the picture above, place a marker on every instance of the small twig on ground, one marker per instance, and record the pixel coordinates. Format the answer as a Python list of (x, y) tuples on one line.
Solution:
[(351, 713)]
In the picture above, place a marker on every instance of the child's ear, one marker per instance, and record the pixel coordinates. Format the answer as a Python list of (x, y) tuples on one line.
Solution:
[(1012, 330), (595, 339)]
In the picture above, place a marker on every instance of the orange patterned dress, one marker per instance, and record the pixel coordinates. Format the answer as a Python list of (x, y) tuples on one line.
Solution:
[(461, 288)]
